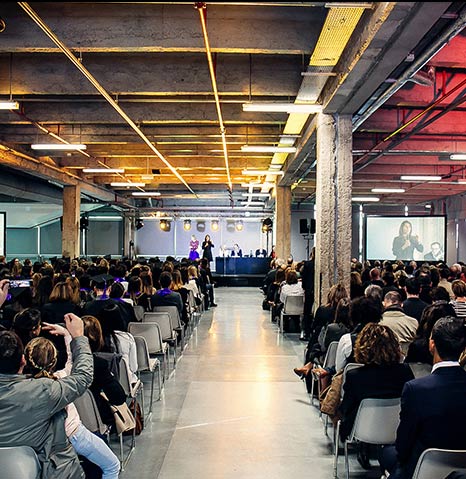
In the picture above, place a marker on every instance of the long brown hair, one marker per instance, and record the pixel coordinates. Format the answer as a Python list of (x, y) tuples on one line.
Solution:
[(93, 331)]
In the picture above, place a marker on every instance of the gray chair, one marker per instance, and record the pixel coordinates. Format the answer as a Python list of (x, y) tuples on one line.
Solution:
[(329, 362), (148, 364), (169, 336), (376, 423), (19, 462), (294, 306), (138, 312), (438, 463), (420, 369), (89, 413), (150, 331), (175, 319)]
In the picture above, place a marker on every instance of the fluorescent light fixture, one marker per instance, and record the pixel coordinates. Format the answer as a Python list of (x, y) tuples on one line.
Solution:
[(103, 170), (348, 5), (282, 107), (428, 207), (127, 184), (146, 193), (365, 199), (461, 181), (420, 178), (275, 166), (388, 190), (259, 195), (458, 156), (251, 203), (58, 146), (257, 184), (268, 149), (9, 105), (262, 172)]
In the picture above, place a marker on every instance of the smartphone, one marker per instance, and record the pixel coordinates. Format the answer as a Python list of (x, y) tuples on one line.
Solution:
[(21, 283)]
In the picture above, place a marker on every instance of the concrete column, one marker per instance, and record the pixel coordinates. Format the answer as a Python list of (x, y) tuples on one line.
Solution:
[(333, 203), (128, 236), (71, 216), (283, 222)]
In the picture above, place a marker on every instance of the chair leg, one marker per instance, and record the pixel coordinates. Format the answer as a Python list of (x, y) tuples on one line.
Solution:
[(312, 389), (151, 393), (346, 460), (335, 457)]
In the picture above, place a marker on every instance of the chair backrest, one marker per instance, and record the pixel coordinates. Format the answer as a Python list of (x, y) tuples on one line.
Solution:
[(151, 333), (19, 462), (348, 367), (173, 313), (89, 413), (377, 421), (331, 355), (420, 369), (162, 318), (438, 463), (294, 305), (113, 361), (138, 312), (124, 377), (142, 352)]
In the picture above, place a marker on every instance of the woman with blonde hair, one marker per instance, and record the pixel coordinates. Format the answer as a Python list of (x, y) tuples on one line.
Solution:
[(41, 359), (61, 302)]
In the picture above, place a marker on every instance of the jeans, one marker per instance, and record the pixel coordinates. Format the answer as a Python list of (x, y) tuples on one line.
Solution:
[(92, 447)]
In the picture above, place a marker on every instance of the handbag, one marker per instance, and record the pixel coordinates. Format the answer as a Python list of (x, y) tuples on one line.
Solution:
[(138, 417), (124, 419), (330, 397)]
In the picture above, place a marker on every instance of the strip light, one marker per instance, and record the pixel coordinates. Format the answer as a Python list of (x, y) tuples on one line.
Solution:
[(58, 146), (388, 190), (146, 193), (268, 149), (282, 107), (9, 105), (420, 178), (458, 156), (262, 172), (127, 183), (103, 170), (365, 199)]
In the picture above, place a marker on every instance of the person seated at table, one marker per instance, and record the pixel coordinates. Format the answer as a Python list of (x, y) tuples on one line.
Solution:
[(237, 251)]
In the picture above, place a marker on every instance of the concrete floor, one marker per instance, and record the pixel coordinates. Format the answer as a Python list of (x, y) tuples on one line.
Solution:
[(233, 408)]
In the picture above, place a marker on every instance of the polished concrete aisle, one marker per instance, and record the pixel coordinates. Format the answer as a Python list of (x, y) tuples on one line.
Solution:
[(233, 408)]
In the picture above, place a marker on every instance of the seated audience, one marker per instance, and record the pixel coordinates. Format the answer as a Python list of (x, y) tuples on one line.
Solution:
[(60, 303), (291, 287), (41, 360), (42, 426), (382, 376), (418, 351), (103, 380), (412, 305), (400, 323), (165, 296), (432, 407), (459, 303), (444, 283)]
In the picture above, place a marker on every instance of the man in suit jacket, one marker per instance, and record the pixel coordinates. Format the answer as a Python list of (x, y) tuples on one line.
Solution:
[(432, 407)]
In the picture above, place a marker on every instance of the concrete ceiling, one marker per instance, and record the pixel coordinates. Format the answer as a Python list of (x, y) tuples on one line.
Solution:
[(147, 104)]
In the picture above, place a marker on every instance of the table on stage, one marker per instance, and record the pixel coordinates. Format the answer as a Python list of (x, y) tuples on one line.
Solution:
[(233, 266)]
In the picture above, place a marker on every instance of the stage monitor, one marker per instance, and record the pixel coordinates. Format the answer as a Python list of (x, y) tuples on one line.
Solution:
[(419, 238)]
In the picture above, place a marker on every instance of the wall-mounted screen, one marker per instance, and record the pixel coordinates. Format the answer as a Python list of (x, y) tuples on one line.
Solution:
[(420, 238)]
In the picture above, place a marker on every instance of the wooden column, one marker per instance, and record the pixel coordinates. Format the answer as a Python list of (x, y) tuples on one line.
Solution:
[(71, 216)]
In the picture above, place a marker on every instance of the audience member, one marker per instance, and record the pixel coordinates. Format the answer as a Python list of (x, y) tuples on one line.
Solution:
[(165, 296), (401, 324), (42, 426), (432, 407), (459, 303), (412, 305)]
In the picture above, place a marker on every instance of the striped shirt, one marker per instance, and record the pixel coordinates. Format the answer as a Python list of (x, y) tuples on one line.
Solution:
[(459, 307)]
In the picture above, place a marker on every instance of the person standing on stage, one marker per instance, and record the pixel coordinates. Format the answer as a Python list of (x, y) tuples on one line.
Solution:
[(207, 246), (193, 246)]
